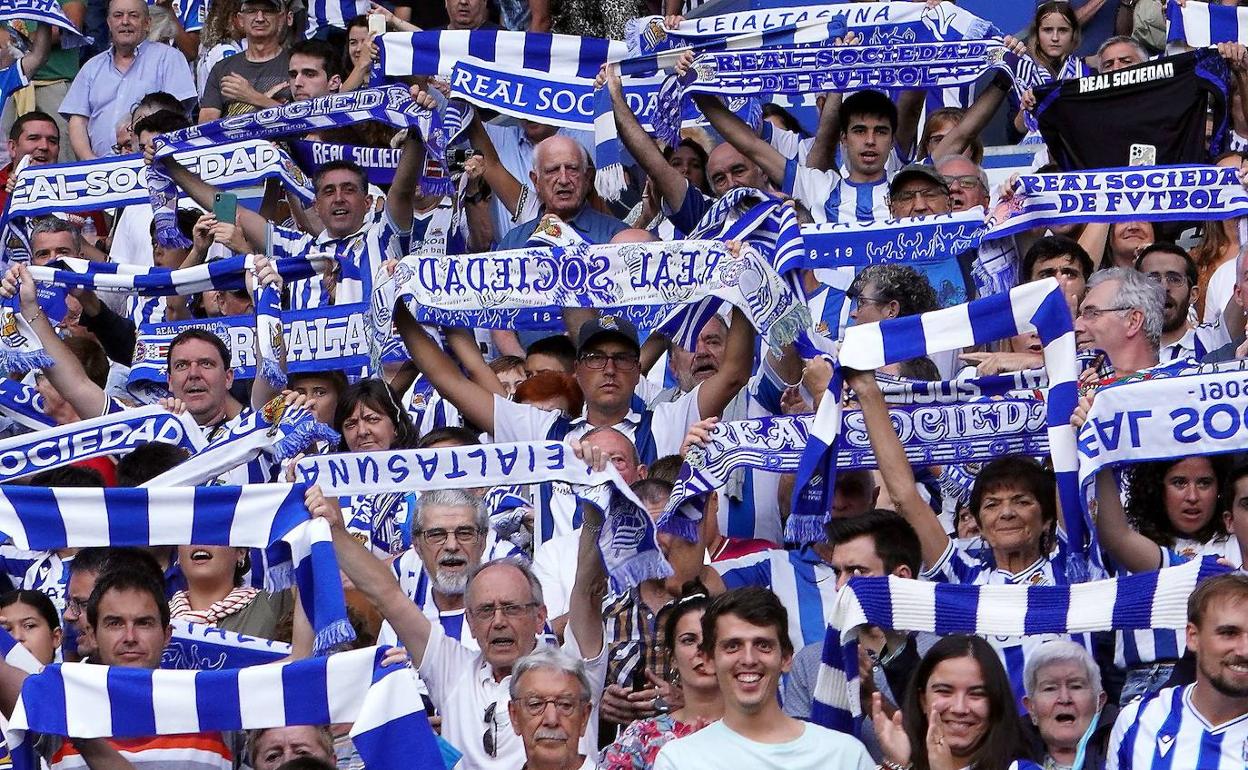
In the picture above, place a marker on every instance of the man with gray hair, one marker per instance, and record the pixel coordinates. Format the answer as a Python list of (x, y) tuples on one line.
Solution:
[(968, 184), (561, 177), (551, 702), (1121, 315), (449, 530), (54, 238), (1118, 52)]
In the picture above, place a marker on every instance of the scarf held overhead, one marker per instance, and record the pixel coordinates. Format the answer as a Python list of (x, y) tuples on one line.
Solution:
[(1140, 601), (266, 516), (219, 275), (629, 549)]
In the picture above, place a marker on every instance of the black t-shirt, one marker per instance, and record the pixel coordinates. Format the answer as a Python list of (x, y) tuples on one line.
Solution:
[(265, 77), (1155, 111)]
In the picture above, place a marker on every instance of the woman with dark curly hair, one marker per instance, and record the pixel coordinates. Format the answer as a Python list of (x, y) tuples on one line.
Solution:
[(1171, 516)]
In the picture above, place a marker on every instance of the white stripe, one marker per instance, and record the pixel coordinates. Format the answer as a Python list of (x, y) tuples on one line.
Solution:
[(1170, 599), (173, 530), (260, 695), (96, 721), (784, 585), (1009, 614), (169, 703), (919, 607), (1094, 609), (84, 531), (949, 329), (1196, 24), (343, 674)]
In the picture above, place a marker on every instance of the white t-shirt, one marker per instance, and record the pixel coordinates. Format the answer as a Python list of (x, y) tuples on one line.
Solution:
[(1219, 291), (554, 563), (717, 747), (462, 686)]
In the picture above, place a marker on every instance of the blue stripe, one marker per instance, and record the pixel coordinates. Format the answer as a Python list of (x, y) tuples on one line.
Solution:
[(903, 338), (134, 715), (1129, 611), (426, 52), (952, 608), (40, 516), (1015, 664), (1211, 750), (216, 699), (832, 206), (1130, 648), (864, 202), (991, 319), (1044, 607), (306, 710), (128, 523), (809, 601), (1174, 720), (594, 51), (1167, 644), (481, 44), (1223, 23), (537, 52), (204, 527)]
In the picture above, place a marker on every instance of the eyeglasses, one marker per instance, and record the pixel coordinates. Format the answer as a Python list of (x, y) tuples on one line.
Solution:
[(122, 149), (462, 535), (487, 611), (258, 11), (861, 298), (564, 706), (1170, 278), (624, 362), (489, 741), (1093, 313), (932, 194), (75, 605), (969, 182)]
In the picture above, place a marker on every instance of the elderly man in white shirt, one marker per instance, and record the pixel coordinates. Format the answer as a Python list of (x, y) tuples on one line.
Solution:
[(505, 614)]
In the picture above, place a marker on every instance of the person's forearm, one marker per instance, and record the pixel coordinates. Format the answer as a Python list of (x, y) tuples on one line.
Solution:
[(38, 55), (79, 139), (739, 134), (255, 227), (540, 16), (822, 154), (502, 183), (401, 200), (464, 347), (357, 78), (672, 185), (1085, 12), (375, 579), (589, 588)]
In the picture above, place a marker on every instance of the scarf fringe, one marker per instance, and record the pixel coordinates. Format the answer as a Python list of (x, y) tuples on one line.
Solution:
[(788, 327), (337, 633), (609, 182), (170, 237), (804, 528), (301, 436), (273, 374), (24, 361), (678, 524), (645, 565)]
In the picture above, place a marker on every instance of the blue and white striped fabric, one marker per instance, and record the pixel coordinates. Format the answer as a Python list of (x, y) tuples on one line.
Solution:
[(46, 12), (277, 430), (1038, 306), (805, 584), (266, 516), (390, 728), (270, 340), (1199, 24), (23, 405), (17, 655), (325, 15), (220, 275), (118, 433), (1147, 600)]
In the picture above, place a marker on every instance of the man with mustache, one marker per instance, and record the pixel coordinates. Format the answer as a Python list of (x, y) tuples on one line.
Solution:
[(1204, 724), (551, 701)]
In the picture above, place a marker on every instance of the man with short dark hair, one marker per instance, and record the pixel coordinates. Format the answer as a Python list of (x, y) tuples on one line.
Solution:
[(314, 70), (1200, 725), (36, 135), (745, 638), (1170, 266)]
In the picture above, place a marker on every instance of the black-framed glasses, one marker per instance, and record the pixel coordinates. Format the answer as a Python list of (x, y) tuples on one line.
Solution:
[(931, 195), (624, 362), (861, 298), (968, 182), (463, 535), (1093, 313), (564, 705), (509, 610), (489, 739)]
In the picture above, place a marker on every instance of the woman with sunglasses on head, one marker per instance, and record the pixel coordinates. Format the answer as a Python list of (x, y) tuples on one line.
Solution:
[(639, 743)]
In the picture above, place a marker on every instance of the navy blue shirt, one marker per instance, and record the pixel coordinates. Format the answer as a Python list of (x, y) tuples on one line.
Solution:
[(591, 225)]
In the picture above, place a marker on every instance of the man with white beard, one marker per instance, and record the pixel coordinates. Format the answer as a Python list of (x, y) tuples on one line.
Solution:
[(449, 529)]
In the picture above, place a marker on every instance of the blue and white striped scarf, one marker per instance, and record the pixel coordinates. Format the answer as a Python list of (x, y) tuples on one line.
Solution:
[(47, 12), (266, 516), (220, 275), (278, 431), (389, 726), (1038, 306), (944, 435), (1144, 600), (378, 163), (119, 181), (20, 348), (1200, 25), (877, 23), (118, 433), (270, 338), (330, 338), (629, 549), (200, 647)]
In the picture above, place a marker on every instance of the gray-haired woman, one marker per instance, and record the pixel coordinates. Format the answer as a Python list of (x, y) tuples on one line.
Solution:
[(1070, 723)]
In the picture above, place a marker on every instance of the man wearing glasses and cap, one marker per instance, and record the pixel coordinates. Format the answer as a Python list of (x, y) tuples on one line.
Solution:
[(251, 80), (608, 367)]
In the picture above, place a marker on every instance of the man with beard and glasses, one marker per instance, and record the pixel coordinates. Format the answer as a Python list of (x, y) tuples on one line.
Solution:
[(449, 529), (1202, 725), (1170, 266)]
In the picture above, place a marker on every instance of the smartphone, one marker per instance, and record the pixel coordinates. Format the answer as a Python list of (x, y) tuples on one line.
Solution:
[(225, 207), (376, 24)]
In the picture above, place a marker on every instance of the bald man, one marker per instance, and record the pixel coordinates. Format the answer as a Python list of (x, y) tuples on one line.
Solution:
[(561, 178)]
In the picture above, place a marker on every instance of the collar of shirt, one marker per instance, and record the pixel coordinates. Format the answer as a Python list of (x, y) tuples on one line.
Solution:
[(633, 419), (138, 49), (325, 239)]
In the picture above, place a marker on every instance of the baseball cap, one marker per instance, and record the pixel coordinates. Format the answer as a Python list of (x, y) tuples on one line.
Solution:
[(916, 171), (607, 325)]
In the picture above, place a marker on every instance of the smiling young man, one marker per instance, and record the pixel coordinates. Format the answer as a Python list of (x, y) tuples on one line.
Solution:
[(745, 636), (1202, 725)]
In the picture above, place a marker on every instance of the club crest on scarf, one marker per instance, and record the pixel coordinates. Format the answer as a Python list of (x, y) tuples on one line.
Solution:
[(9, 332)]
